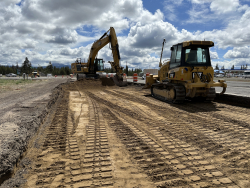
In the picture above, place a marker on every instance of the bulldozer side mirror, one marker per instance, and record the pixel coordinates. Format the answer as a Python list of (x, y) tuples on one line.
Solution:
[(172, 48)]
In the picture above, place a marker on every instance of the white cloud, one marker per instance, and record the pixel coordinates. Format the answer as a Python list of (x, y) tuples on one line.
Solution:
[(224, 6), (49, 30), (238, 52), (214, 55), (151, 35), (228, 64)]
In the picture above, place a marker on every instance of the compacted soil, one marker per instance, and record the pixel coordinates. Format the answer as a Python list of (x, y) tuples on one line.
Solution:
[(22, 110), (109, 136)]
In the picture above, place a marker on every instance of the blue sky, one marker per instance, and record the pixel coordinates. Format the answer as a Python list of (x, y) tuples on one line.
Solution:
[(62, 30)]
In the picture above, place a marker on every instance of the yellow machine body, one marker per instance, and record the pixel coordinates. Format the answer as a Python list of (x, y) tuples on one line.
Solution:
[(184, 80), (93, 66)]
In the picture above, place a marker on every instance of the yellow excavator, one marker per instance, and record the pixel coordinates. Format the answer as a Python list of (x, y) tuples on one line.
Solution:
[(94, 66), (187, 74)]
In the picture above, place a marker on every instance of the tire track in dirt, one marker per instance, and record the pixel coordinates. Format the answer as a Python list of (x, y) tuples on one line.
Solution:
[(171, 145), (49, 167), (90, 162), (212, 176), (210, 140)]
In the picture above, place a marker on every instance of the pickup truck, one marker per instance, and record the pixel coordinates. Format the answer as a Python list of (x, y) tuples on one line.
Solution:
[(10, 75)]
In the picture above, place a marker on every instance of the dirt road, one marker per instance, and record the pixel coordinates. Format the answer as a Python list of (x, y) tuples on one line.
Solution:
[(100, 136)]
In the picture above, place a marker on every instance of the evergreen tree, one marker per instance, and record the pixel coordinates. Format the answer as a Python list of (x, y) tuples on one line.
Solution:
[(49, 68), (26, 66), (222, 68), (217, 67), (67, 70), (241, 67), (62, 71), (126, 70), (232, 68)]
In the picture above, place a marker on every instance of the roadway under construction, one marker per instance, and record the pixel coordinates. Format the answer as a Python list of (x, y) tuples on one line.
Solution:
[(100, 136)]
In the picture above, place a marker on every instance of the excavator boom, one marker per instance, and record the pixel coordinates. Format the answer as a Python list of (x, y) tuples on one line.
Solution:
[(93, 65)]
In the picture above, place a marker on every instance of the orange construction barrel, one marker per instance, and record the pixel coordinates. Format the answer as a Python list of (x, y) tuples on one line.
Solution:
[(135, 77), (124, 76)]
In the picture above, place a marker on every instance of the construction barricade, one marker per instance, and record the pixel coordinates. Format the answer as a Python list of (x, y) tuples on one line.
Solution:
[(135, 77)]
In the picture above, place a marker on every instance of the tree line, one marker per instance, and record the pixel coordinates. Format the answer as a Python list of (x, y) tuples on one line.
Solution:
[(243, 67), (28, 69)]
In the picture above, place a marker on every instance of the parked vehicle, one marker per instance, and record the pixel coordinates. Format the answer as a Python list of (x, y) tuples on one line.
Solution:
[(246, 74), (10, 75), (49, 75), (219, 75)]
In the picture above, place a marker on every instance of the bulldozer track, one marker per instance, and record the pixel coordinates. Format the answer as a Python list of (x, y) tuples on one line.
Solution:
[(213, 135), (123, 137), (94, 167), (173, 149)]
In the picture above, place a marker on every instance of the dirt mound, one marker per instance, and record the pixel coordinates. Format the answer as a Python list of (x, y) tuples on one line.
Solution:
[(95, 83), (107, 82)]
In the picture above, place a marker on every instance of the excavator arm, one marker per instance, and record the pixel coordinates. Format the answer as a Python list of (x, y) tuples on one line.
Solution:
[(107, 37), (97, 45)]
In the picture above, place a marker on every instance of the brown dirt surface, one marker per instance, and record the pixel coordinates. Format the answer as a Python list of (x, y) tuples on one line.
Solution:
[(100, 136), (107, 82), (21, 113)]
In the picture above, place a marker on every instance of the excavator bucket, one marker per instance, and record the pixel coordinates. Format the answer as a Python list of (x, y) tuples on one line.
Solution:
[(118, 82), (107, 81)]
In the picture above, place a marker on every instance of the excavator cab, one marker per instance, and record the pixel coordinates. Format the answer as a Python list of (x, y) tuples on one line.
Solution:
[(99, 65)]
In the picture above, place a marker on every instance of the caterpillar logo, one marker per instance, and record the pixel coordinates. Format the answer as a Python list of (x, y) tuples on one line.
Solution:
[(171, 75), (199, 74)]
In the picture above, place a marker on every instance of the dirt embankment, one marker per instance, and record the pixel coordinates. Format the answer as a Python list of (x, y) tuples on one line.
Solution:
[(22, 111), (98, 136)]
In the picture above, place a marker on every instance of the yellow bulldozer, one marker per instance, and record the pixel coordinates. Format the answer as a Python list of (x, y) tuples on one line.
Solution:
[(187, 74)]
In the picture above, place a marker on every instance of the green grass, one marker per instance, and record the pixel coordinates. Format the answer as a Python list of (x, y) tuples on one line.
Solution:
[(4, 82)]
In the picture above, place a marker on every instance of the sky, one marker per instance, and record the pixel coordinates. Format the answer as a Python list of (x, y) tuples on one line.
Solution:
[(59, 31)]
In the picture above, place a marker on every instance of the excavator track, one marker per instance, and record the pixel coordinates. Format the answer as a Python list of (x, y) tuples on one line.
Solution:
[(169, 92)]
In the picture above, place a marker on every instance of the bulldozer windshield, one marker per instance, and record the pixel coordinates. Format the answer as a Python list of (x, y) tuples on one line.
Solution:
[(197, 56)]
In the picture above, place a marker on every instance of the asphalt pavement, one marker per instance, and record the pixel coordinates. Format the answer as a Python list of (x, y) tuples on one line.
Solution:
[(239, 87), (235, 86)]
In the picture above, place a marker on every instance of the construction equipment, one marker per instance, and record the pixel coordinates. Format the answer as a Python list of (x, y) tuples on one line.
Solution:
[(188, 74), (34, 74), (93, 67)]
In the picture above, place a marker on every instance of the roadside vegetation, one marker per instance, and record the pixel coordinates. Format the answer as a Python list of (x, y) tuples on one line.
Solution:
[(27, 68), (7, 85)]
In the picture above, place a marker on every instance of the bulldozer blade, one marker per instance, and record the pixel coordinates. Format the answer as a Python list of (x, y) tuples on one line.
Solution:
[(146, 86), (107, 81), (118, 82), (223, 91)]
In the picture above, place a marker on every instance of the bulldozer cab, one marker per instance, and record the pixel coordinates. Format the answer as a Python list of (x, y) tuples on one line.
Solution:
[(190, 54)]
